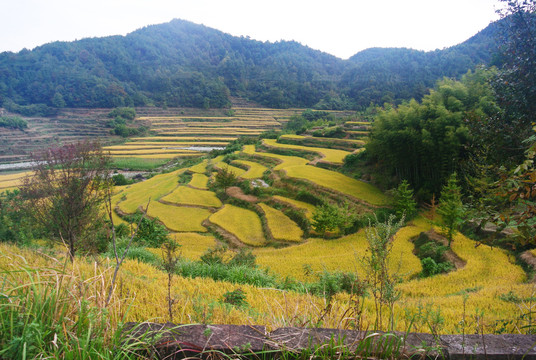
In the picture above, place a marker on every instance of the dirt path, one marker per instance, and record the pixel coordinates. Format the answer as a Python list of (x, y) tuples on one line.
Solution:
[(450, 255), (236, 192)]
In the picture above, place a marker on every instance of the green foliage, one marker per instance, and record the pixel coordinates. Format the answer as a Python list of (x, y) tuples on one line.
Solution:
[(236, 298), (425, 142), (14, 122), (325, 218), (16, 224), (126, 113), (451, 207), (380, 281), (150, 233), (120, 180), (430, 267), (404, 203), (224, 178)]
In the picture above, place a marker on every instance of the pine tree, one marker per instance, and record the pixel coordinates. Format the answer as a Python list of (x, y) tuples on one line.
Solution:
[(451, 207), (404, 201)]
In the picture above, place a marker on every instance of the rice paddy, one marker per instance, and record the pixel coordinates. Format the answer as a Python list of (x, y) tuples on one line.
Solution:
[(178, 218), (328, 155), (280, 225), (255, 170), (184, 195), (242, 223)]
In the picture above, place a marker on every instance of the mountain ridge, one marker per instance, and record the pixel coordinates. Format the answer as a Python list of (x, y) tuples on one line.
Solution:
[(180, 63)]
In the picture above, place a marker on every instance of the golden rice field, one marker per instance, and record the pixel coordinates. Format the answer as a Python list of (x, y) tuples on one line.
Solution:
[(184, 195), (281, 227), (179, 218), (13, 180), (242, 223), (308, 208), (142, 290), (339, 182), (235, 170), (321, 139), (286, 161), (199, 168), (328, 155), (136, 195), (199, 181), (183, 138), (255, 170)]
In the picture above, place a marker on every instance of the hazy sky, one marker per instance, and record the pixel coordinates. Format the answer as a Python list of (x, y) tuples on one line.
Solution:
[(339, 27)]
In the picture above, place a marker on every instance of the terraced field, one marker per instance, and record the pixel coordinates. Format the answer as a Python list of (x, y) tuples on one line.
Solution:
[(201, 217)]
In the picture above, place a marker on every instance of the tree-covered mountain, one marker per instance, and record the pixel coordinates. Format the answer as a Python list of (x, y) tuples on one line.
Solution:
[(184, 64)]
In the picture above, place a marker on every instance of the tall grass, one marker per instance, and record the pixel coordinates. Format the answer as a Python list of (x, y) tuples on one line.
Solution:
[(141, 164), (48, 313)]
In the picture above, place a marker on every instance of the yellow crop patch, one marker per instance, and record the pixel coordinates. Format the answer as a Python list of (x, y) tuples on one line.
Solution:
[(329, 155), (199, 168), (236, 170), (178, 218), (339, 182), (344, 254), (243, 223), (160, 156), (187, 196), (138, 194), (255, 170), (309, 208), (280, 225), (184, 138), (286, 161), (199, 181)]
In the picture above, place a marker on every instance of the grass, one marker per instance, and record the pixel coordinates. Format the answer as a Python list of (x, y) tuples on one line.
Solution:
[(131, 163), (177, 218), (243, 223), (184, 195), (280, 225), (255, 170)]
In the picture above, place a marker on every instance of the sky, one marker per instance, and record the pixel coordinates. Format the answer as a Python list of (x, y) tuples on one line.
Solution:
[(338, 27)]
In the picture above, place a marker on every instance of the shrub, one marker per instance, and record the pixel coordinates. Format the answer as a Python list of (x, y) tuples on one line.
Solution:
[(236, 298)]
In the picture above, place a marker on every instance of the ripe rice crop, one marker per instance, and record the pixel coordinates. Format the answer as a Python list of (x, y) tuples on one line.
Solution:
[(199, 168), (177, 218), (184, 195), (339, 182), (309, 208), (161, 156), (329, 155), (344, 254), (184, 138), (236, 170), (358, 123), (243, 223), (255, 170), (15, 176), (321, 139), (152, 151), (281, 227), (286, 161), (138, 194), (199, 181)]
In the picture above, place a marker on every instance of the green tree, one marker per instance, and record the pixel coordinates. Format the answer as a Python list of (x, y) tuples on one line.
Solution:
[(451, 207), (404, 202), (326, 218), (224, 178)]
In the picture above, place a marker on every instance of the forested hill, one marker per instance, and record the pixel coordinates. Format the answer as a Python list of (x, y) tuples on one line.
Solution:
[(184, 64)]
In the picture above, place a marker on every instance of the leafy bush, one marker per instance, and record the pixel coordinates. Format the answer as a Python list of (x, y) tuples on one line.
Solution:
[(236, 298), (13, 122), (126, 113)]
